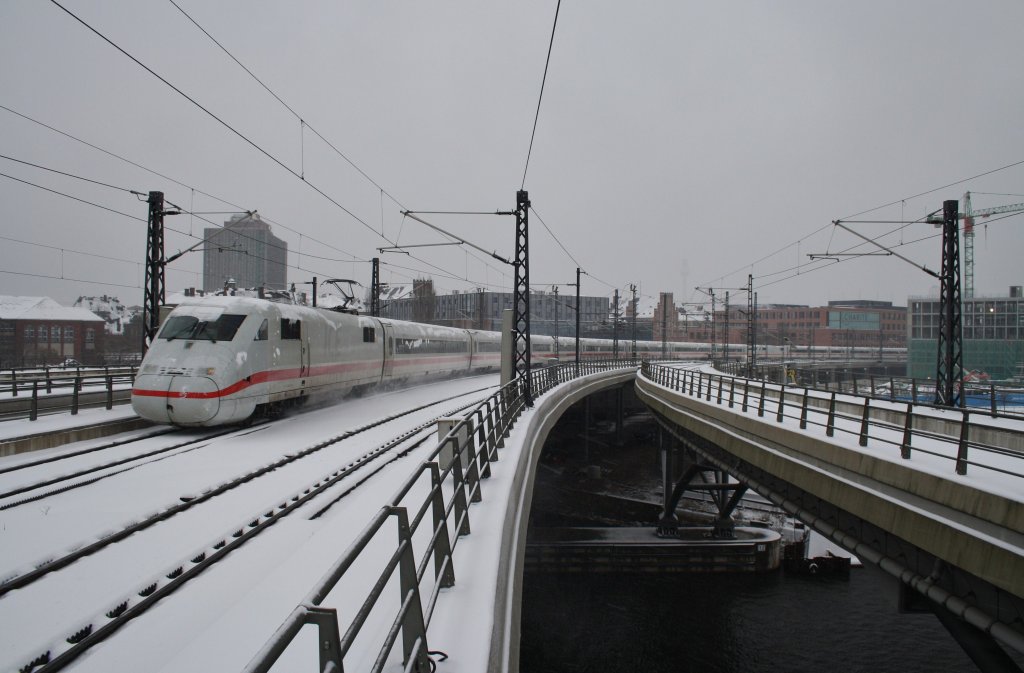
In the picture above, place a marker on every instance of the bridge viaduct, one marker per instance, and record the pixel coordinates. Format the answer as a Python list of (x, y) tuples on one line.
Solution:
[(930, 496)]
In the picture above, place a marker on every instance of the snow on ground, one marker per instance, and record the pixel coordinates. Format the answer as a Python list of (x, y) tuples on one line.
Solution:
[(48, 423), (74, 596), (222, 618)]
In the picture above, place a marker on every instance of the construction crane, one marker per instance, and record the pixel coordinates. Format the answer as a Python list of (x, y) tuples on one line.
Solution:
[(968, 217)]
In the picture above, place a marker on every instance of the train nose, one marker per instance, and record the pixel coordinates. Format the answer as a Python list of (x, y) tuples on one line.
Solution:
[(182, 400)]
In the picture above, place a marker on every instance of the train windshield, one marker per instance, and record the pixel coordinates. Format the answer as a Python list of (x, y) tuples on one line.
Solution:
[(221, 328)]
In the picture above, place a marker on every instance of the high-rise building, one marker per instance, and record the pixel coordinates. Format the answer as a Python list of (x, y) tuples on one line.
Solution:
[(246, 252)]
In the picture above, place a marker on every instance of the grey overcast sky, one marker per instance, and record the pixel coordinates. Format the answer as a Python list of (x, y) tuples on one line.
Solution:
[(679, 143)]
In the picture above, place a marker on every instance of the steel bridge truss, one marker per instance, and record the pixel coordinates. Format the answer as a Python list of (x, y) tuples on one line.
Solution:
[(968, 606)]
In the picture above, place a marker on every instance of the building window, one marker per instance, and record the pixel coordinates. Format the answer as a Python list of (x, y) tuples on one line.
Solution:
[(90, 336), (69, 334), (30, 331), (42, 333)]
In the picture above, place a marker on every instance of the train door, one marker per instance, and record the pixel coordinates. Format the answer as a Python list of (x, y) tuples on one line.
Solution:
[(291, 351), (306, 354), (388, 364)]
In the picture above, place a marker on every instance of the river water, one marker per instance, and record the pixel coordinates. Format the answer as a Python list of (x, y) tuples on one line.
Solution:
[(728, 623)]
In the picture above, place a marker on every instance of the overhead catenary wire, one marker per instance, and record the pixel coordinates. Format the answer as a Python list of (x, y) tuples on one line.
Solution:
[(144, 221), (248, 140), (302, 121), (151, 171), (831, 262), (303, 125), (219, 120), (902, 200), (543, 81)]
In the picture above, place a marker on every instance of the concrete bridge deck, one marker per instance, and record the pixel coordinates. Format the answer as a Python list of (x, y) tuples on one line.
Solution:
[(895, 499)]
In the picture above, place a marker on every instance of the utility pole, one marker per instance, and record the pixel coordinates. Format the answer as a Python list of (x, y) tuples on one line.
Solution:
[(725, 332), (714, 336), (949, 376), (577, 320), (632, 288), (374, 289), (554, 289), (154, 292), (521, 351), (751, 343), (615, 326), (665, 325)]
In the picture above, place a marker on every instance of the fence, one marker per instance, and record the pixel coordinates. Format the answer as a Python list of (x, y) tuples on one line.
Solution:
[(442, 487), (32, 383), (892, 427), (999, 400)]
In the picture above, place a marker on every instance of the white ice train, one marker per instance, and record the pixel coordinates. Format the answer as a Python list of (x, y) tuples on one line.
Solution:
[(221, 359)]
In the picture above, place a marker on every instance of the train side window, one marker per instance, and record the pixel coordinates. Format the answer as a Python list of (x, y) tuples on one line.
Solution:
[(291, 329), (262, 334), (369, 335)]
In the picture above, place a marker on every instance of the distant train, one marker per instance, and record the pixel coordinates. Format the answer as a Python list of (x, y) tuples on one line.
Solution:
[(222, 359)]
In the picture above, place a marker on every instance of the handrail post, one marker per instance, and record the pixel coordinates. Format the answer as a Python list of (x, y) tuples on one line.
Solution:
[(961, 454), (110, 392), (14, 383), (863, 441), (708, 398), (908, 431), (782, 401), (913, 390), (830, 425), (443, 573), (720, 386), (746, 393), (49, 381), (326, 621), (459, 488), (472, 468), (74, 395), (33, 412), (872, 379), (484, 450), (413, 628), (892, 390), (992, 397), (760, 402), (803, 412), (732, 390)]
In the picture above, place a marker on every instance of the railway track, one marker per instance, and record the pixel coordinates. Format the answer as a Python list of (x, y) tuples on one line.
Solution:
[(66, 482), (129, 606)]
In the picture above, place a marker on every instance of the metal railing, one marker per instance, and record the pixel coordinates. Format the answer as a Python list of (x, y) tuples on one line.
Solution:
[(894, 427), (430, 510), (999, 400), (32, 384)]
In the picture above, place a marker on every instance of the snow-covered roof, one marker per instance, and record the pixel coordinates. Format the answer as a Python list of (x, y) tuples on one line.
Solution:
[(42, 308)]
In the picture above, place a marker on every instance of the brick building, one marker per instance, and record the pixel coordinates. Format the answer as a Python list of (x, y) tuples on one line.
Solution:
[(39, 331)]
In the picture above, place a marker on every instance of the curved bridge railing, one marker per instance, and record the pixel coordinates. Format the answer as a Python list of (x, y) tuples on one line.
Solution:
[(430, 513), (950, 434)]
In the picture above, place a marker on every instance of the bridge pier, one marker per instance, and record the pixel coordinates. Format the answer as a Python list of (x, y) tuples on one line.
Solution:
[(724, 493)]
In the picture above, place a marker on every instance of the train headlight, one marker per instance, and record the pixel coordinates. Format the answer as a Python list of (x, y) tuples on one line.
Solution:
[(210, 371)]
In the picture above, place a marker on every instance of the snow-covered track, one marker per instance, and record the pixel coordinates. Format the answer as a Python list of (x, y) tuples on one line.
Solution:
[(68, 479), (129, 607)]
